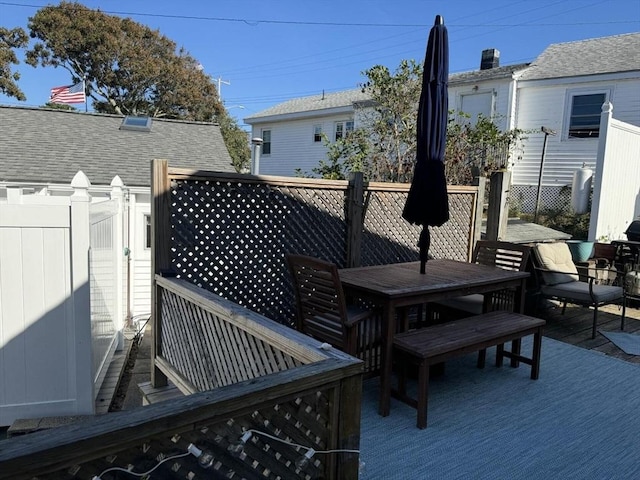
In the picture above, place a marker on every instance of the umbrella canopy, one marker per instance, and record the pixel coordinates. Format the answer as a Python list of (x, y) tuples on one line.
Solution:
[(427, 203)]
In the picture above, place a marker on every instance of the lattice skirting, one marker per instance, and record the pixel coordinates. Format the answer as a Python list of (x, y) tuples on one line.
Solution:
[(523, 198)]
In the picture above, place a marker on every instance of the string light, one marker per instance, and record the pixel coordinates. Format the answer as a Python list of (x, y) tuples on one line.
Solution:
[(237, 448), (205, 460)]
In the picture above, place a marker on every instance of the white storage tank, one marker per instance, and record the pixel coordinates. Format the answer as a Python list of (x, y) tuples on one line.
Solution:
[(581, 189)]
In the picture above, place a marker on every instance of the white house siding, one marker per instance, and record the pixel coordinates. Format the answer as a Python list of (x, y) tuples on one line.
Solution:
[(541, 103), (498, 89), (292, 144), (139, 256)]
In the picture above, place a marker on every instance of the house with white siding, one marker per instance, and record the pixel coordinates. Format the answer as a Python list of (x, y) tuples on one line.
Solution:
[(41, 150), (563, 90)]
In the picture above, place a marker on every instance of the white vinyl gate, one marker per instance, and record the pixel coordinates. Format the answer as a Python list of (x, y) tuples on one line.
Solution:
[(61, 305)]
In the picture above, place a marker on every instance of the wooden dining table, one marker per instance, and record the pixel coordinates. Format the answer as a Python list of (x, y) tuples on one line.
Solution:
[(401, 285)]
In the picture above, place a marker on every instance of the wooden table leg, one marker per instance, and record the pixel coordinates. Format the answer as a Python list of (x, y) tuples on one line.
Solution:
[(535, 357), (388, 328)]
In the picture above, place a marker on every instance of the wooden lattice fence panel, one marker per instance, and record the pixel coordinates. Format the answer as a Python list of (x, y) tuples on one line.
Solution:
[(388, 238), (231, 238), (302, 420), (230, 233)]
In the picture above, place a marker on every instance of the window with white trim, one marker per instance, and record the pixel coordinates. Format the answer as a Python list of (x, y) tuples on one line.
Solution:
[(317, 133), (343, 129), (584, 114), (266, 142)]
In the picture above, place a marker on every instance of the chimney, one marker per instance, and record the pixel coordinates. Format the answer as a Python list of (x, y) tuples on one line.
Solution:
[(490, 59)]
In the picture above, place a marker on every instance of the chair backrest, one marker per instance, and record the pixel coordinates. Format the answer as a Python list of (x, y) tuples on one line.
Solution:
[(505, 255), (320, 301), (555, 256)]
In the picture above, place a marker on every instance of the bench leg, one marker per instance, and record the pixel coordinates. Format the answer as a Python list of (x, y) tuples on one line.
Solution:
[(423, 393), (516, 348), (535, 358), (499, 354), (482, 357)]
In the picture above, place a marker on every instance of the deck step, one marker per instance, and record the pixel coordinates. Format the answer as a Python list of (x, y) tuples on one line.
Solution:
[(152, 395)]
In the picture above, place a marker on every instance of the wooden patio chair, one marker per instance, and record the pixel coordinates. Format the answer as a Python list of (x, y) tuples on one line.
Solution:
[(506, 255), (559, 279), (323, 313)]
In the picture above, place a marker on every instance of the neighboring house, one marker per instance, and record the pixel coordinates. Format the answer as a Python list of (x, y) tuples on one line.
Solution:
[(563, 90), (42, 150), (292, 132)]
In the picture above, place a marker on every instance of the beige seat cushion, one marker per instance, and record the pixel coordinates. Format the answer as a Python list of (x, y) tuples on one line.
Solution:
[(557, 257)]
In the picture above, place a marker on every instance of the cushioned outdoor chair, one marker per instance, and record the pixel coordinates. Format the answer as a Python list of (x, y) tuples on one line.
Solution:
[(506, 255), (559, 279), (323, 313)]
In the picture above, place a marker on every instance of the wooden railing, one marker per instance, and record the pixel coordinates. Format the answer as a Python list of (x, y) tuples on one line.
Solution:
[(258, 375)]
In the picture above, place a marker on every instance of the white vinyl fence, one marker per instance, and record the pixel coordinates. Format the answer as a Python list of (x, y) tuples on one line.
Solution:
[(616, 189), (61, 299)]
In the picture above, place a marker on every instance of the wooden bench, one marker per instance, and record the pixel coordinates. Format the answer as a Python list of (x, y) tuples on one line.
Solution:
[(438, 343)]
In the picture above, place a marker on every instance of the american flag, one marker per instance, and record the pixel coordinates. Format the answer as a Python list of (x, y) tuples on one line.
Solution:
[(68, 94)]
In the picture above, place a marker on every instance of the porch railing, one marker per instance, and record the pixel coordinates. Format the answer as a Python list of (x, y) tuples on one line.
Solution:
[(257, 375)]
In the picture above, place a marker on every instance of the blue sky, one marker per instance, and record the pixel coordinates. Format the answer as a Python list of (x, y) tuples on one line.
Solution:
[(265, 52)]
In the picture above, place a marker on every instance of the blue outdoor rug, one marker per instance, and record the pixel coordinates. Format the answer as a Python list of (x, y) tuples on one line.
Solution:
[(627, 342), (580, 420)]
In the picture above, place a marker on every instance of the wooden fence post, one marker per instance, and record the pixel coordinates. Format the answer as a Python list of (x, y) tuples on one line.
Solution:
[(476, 234), (160, 257), (354, 218), (498, 212)]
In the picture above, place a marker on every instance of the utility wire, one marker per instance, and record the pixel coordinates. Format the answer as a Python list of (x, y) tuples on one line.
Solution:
[(255, 22)]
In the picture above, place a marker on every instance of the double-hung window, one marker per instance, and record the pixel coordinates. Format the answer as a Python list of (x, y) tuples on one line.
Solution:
[(343, 129), (317, 133), (584, 114), (266, 142)]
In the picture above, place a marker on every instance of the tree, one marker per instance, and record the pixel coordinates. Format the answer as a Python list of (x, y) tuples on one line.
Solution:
[(237, 142), (10, 39), (391, 124), (478, 149), (128, 67)]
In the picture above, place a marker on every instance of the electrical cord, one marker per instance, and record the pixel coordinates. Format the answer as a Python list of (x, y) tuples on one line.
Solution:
[(120, 469)]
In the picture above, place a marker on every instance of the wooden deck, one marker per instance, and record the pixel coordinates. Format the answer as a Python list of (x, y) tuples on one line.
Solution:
[(575, 325)]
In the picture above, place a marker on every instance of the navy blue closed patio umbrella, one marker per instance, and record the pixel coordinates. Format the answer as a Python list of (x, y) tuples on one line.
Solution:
[(427, 203)]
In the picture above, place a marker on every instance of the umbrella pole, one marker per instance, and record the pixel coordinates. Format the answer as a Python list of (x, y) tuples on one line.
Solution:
[(424, 243)]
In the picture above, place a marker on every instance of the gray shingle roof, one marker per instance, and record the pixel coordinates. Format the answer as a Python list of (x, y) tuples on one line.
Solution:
[(50, 146), (488, 74), (313, 103), (618, 53)]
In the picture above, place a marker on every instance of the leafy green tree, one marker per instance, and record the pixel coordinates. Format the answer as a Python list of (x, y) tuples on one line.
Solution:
[(391, 123), (478, 149), (347, 154), (129, 68), (237, 142), (9, 40), (60, 106)]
